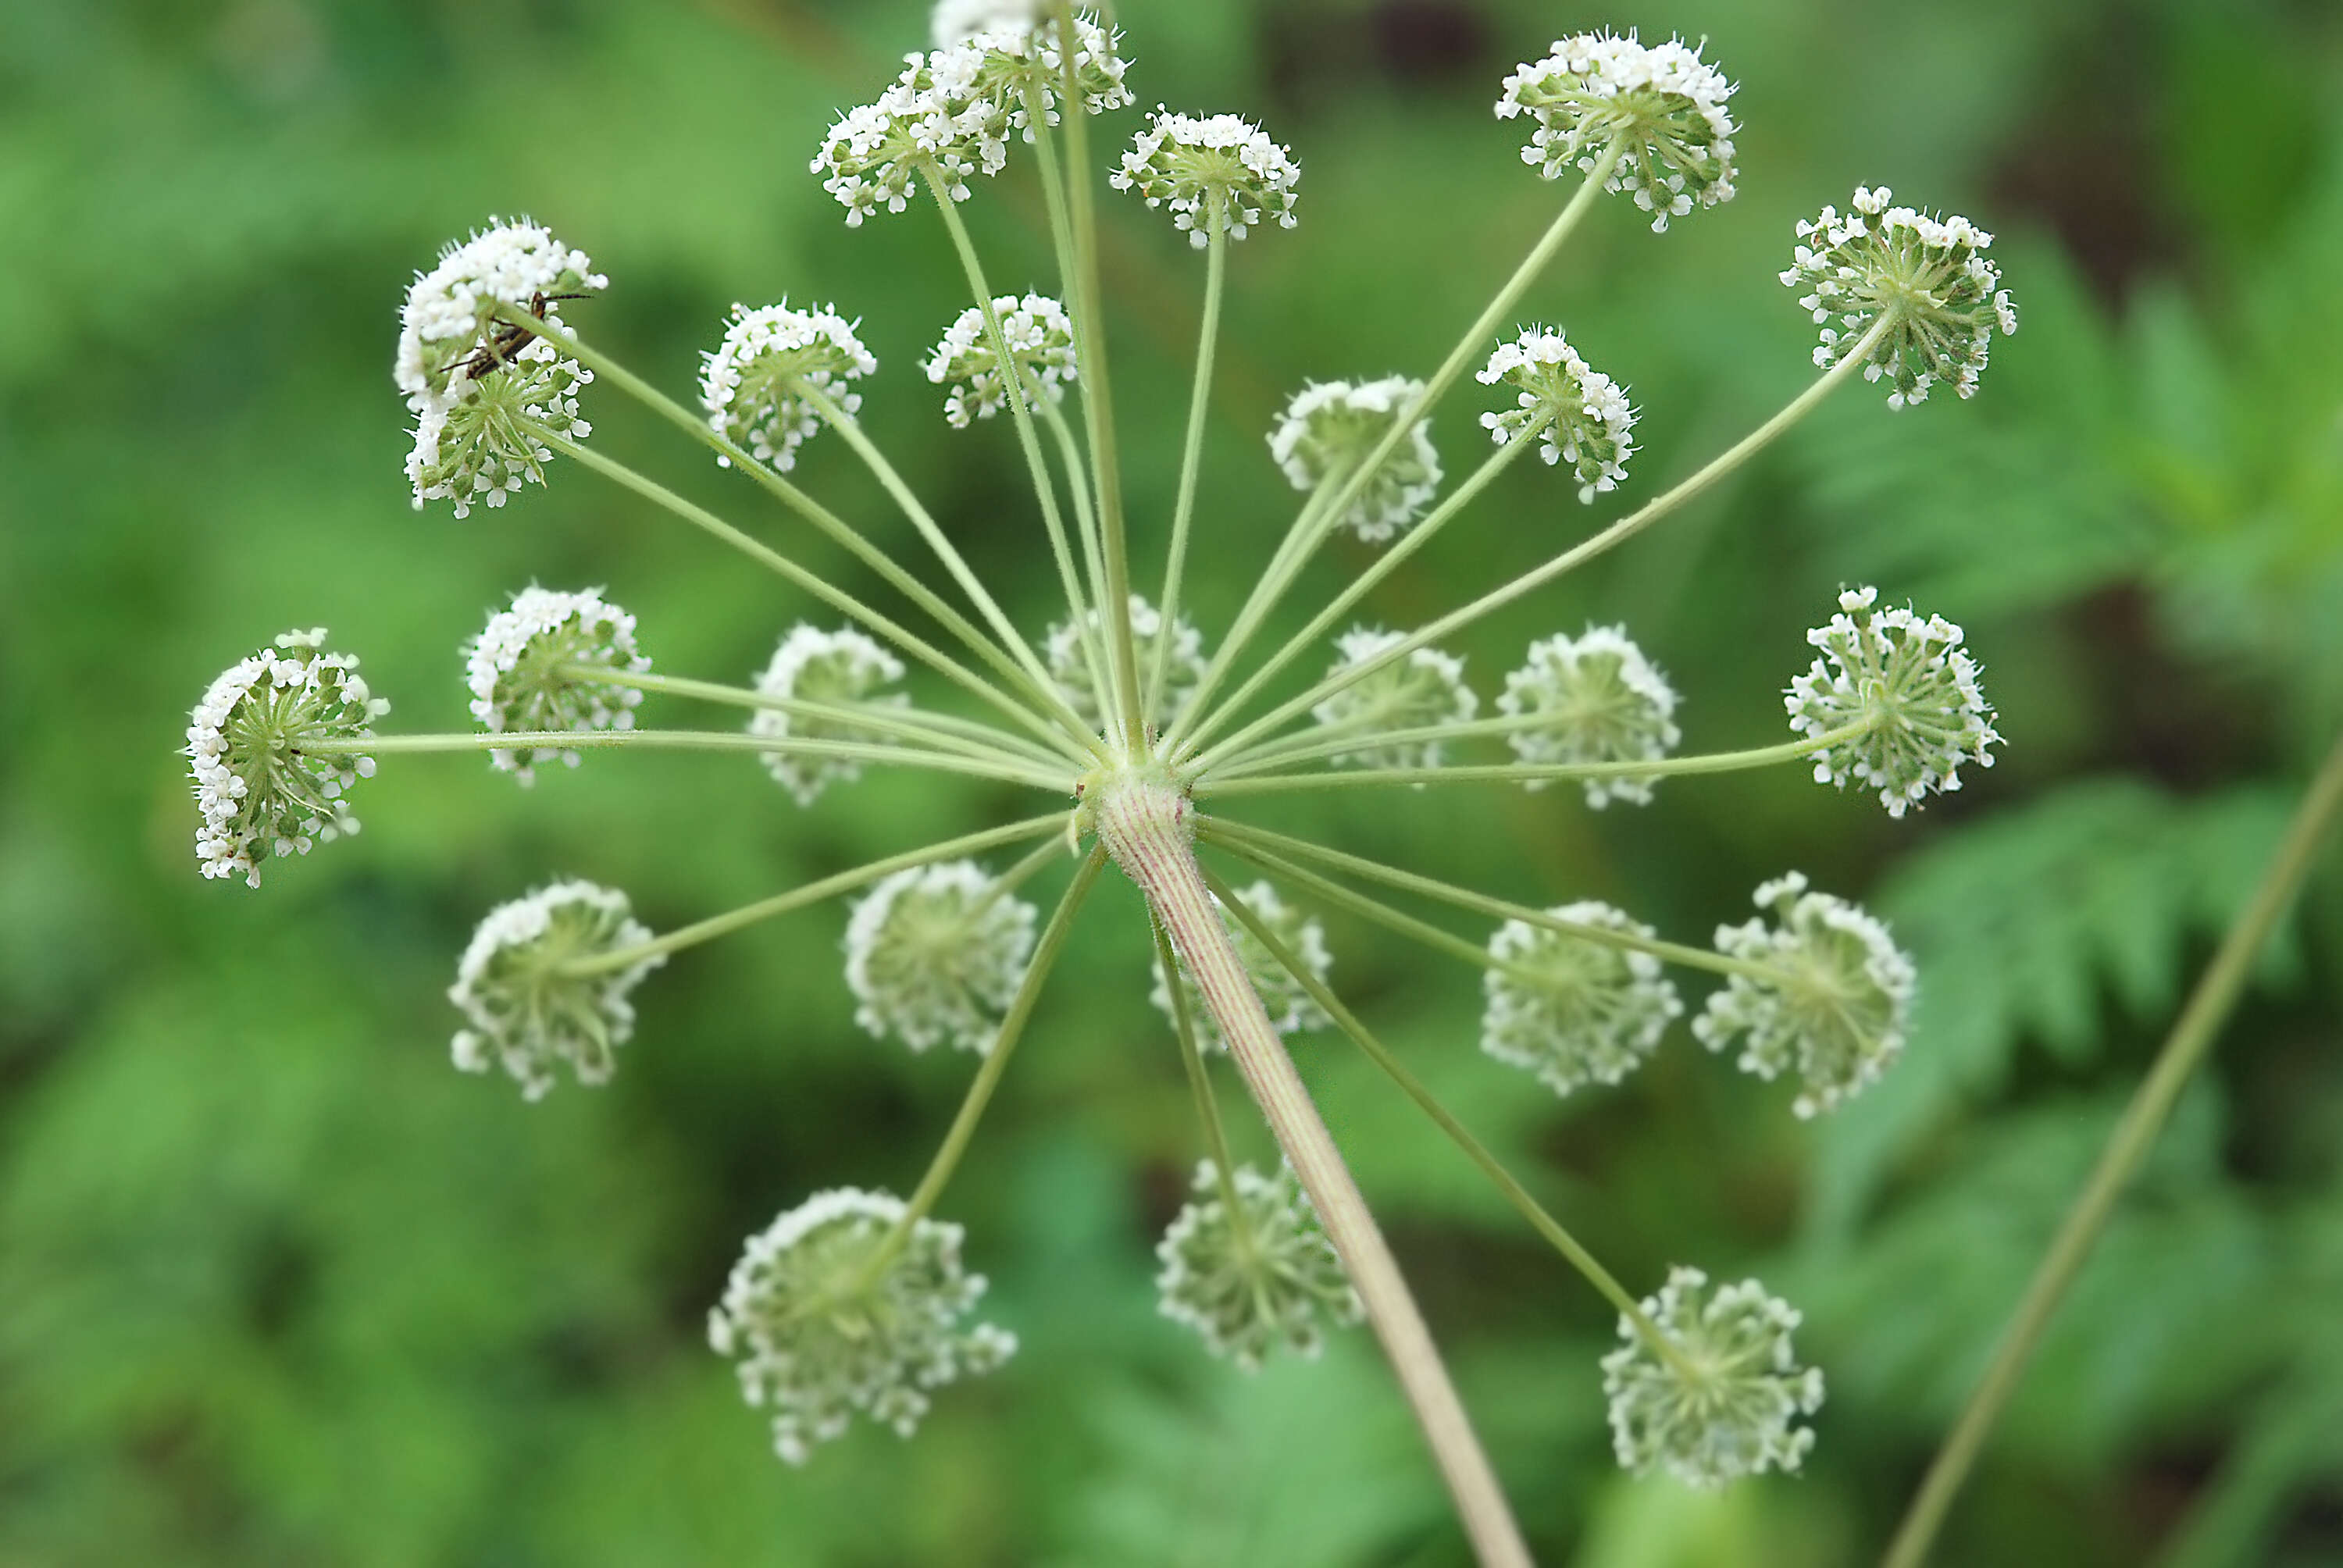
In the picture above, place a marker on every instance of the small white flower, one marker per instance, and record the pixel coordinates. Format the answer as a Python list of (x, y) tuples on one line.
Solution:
[(1664, 103), (1195, 165), (1330, 428), (1840, 1011), (1571, 1010), (1911, 681), (754, 385), (1598, 700), (935, 954), (839, 669), (1251, 1281), (1061, 655), (1580, 413), (1041, 341), (1723, 1406), (517, 670), (823, 1323), (1927, 277), (526, 1014), (449, 331), (1285, 998), (1423, 689), (259, 792)]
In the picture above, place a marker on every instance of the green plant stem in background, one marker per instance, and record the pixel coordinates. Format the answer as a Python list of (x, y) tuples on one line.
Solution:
[(996, 1062), (1216, 258), (1503, 772), (2192, 1037), (1530, 1209), (814, 892), (1617, 534)]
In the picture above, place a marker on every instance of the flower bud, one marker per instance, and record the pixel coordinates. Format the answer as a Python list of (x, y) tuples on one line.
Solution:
[(260, 791), (1423, 689), (518, 671), (1599, 700), (1193, 165), (1665, 104), (1061, 656), (935, 954), (1330, 428), (753, 386), (527, 1015), (840, 668), (1580, 414), (1261, 1277), (1571, 1011), (1837, 1012), (1040, 342), (1927, 277), (1906, 677), (824, 1324), (1722, 1406), (1287, 1001)]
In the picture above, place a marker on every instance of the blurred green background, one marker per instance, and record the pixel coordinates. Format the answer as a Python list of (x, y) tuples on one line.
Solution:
[(278, 1286)]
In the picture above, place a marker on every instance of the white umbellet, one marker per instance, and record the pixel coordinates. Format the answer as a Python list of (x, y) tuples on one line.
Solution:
[(518, 670), (1725, 1405), (1908, 679), (1663, 104), (1330, 428), (934, 954), (1595, 698), (754, 385), (1424, 690), (1570, 1008), (1580, 414), (527, 1014), (841, 668)]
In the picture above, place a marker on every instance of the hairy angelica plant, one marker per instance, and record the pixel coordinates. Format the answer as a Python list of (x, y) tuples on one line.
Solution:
[(1143, 735)]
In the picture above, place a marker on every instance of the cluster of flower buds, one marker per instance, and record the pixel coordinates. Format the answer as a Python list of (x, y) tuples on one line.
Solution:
[(525, 671), (841, 668), (543, 983), (1282, 996), (1722, 1403), (1591, 699), (933, 954), (1662, 106), (1331, 428), (1924, 281), (755, 385), (837, 1308), (1424, 690), (1252, 1276), (1040, 339), (1216, 169), (1834, 1006), (1184, 661), (485, 391), (1570, 1008), (1907, 679), (261, 788), (1580, 414)]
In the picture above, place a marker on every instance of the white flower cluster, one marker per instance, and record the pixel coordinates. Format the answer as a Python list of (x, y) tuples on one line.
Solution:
[(1251, 1281), (259, 792), (1722, 1406), (824, 1324), (1596, 699), (519, 671), (1910, 680), (838, 669), (1040, 342), (1664, 105), (1218, 164), (526, 1011), (935, 953), (950, 113), (754, 385), (1282, 996), (486, 393), (1330, 428), (1580, 413), (1423, 689), (1839, 1008), (1927, 277), (1061, 656), (1572, 1009)]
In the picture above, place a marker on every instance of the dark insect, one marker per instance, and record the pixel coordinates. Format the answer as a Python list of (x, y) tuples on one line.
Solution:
[(508, 337)]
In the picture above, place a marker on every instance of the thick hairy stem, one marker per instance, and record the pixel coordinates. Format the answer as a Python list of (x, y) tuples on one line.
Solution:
[(1144, 824)]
